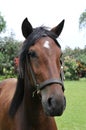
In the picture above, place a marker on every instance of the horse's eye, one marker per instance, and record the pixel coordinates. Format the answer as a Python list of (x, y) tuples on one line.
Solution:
[(60, 61), (32, 54)]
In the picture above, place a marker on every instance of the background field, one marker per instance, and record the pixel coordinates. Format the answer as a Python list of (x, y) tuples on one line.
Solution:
[(74, 117)]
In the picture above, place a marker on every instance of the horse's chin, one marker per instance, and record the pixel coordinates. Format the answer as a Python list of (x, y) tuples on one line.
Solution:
[(54, 113)]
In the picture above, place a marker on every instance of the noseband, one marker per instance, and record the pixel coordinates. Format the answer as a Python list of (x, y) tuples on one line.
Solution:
[(42, 85)]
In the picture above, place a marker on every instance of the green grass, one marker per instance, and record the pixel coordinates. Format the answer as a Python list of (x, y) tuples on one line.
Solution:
[(74, 117), (2, 78)]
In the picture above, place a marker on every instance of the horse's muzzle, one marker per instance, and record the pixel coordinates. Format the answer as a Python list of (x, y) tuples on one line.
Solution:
[(54, 106)]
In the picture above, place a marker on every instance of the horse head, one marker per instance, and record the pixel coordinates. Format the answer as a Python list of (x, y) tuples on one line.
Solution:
[(40, 58)]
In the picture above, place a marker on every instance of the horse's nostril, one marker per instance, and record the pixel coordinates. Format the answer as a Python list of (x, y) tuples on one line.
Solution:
[(50, 101)]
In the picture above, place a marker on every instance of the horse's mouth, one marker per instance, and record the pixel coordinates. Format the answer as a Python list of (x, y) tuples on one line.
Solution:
[(54, 112)]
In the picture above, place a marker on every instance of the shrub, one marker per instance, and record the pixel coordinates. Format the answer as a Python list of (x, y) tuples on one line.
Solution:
[(70, 68)]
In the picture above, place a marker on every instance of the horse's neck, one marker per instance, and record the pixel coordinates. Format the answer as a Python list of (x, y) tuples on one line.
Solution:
[(32, 104), (34, 114)]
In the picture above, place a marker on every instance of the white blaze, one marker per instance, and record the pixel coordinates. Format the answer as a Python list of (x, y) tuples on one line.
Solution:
[(46, 44)]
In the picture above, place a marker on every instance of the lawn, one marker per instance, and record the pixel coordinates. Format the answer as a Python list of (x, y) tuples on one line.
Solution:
[(74, 117)]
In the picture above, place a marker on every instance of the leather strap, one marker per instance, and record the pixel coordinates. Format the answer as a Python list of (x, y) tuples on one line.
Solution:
[(49, 82)]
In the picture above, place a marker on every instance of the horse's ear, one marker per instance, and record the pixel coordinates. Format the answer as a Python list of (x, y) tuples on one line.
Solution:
[(26, 28), (58, 29), (18, 97)]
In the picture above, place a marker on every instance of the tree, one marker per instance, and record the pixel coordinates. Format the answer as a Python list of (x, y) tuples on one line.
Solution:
[(82, 20), (9, 49), (2, 23)]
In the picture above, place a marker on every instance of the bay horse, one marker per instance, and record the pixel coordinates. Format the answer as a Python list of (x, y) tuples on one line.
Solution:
[(31, 101)]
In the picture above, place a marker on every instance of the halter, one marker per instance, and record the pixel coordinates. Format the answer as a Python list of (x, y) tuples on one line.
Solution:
[(42, 85)]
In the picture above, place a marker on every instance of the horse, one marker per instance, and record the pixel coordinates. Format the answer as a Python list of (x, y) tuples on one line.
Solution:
[(31, 101)]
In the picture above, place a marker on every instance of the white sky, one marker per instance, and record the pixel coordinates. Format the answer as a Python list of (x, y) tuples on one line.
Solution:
[(48, 13)]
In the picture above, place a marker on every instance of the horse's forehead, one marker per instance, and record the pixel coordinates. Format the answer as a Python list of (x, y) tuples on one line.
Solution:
[(47, 43), (46, 46)]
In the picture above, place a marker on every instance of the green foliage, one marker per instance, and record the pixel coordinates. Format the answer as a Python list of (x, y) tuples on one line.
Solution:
[(74, 63), (70, 68), (2, 23), (82, 20), (8, 51), (1, 63), (82, 58)]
